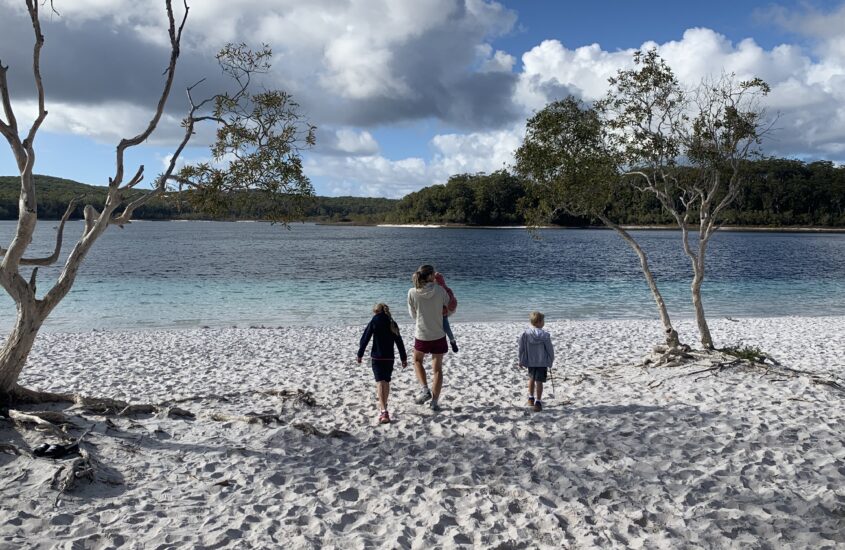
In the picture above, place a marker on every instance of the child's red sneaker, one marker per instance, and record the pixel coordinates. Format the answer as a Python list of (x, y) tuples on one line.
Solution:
[(384, 418)]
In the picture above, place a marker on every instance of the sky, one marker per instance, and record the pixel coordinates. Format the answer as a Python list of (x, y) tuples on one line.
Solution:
[(406, 93)]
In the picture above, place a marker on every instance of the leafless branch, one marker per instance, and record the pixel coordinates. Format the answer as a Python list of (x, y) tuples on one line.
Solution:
[(136, 179), (51, 259), (10, 126), (175, 37), (32, 6), (90, 214), (32, 278), (161, 184)]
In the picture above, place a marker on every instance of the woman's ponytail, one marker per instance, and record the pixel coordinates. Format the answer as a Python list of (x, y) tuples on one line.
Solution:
[(421, 275)]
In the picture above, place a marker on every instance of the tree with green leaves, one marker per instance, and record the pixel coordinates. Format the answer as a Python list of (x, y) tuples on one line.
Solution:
[(567, 158), (688, 149), (256, 155)]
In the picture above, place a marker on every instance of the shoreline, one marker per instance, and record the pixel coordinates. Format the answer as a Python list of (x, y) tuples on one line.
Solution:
[(348, 324), (760, 229), (736, 228), (621, 455)]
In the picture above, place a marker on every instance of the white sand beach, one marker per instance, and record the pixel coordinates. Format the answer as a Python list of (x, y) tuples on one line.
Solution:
[(622, 457)]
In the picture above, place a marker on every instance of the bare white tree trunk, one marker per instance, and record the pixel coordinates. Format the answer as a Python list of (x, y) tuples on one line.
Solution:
[(31, 311), (700, 318), (14, 353), (670, 334)]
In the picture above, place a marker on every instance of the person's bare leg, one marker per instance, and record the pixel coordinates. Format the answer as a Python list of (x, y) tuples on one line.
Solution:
[(436, 375), (531, 387), (418, 367), (539, 395), (382, 391)]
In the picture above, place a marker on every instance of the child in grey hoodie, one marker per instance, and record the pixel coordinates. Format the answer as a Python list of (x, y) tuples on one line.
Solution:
[(537, 354)]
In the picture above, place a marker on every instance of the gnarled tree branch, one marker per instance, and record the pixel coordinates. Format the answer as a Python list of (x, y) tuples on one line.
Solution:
[(52, 258), (175, 39)]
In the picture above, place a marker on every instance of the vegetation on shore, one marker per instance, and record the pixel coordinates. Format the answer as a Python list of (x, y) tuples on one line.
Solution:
[(779, 193)]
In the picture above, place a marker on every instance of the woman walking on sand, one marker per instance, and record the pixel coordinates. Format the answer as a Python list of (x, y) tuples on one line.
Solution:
[(426, 301)]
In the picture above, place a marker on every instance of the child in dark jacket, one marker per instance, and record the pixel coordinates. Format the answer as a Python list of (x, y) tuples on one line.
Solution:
[(447, 311), (384, 332)]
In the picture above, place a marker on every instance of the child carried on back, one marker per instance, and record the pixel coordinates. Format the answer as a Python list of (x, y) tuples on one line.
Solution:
[(447, 311)]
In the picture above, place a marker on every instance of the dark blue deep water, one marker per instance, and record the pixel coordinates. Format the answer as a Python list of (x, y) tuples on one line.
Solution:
[(189, 274)]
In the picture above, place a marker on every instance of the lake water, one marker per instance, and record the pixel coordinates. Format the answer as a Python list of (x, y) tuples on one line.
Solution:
[(190, 274)]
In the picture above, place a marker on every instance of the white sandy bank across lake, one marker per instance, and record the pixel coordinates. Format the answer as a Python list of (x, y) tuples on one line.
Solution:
[(735, 460)]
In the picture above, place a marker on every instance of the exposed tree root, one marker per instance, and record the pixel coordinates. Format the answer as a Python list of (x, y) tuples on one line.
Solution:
[(106, 406), (715, 362), (49, 421), (577, 381), (297, 396), (249, 418), (668, 356), (26, 396), (310, 429), (8, 448), (95, 405), (85, 466)]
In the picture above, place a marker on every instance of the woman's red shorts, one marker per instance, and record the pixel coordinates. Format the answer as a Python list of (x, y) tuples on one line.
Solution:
[(434, 347)]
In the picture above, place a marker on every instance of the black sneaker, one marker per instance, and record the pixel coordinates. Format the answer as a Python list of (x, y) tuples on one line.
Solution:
[(454, 346)]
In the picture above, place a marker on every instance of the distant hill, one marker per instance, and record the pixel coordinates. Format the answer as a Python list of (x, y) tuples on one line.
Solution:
[(54, 194), (779, 193)]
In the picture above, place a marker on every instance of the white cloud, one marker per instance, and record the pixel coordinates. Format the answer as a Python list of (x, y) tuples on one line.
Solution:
[(375, 175), (355, 143), (336, 49), (825, 28), (345, 142), (360, 64), (369, 176), (499, 62), (475, 152), (808, 94), (106, 123)]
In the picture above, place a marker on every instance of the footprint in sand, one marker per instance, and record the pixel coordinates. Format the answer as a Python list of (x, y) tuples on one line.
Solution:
[(349, 495)]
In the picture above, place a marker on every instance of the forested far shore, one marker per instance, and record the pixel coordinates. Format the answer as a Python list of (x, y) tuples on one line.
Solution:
[(54, 194), (779, 193)]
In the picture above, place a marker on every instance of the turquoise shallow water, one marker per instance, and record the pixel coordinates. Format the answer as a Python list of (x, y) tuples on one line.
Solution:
[(189, 274)]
